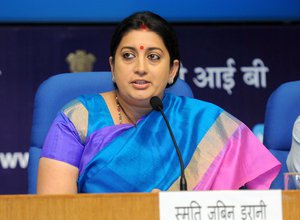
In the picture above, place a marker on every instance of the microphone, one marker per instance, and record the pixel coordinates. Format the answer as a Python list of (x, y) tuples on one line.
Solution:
[(157, 105)]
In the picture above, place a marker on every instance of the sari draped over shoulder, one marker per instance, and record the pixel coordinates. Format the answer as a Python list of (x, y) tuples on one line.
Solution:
[(219, 151)]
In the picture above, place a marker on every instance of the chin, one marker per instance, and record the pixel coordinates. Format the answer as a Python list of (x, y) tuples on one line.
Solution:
[(144, 95)]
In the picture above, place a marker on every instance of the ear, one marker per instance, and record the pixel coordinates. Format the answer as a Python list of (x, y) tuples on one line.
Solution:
[(174, 70), (111, 64)]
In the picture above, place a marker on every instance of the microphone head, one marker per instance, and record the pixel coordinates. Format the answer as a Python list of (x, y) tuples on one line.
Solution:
[(156, 103)]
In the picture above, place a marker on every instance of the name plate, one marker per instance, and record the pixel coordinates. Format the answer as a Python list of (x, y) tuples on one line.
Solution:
[(219, 205)]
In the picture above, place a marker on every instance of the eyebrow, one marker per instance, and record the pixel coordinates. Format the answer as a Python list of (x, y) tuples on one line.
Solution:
[(147, 48)]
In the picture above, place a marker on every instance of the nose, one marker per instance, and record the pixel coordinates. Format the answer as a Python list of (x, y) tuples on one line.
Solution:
[(140, 67)]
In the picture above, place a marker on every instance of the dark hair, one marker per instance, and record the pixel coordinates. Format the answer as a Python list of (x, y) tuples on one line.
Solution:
[(154, 23)]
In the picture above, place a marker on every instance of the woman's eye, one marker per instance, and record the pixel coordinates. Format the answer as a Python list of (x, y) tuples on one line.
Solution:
[(128, 56), (154, 57)]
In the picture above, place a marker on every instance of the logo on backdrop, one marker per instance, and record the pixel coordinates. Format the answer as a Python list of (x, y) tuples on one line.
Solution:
[(81, 61), (13, 160), (223, 77), (0, 73)]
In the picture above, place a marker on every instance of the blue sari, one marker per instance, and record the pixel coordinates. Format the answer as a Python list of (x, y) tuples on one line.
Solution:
[(127, 158)]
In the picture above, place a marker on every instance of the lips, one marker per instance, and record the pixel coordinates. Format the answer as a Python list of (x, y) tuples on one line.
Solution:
[(140, 84)]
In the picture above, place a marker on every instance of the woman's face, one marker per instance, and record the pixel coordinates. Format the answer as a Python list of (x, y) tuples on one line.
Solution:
[(141, 66)]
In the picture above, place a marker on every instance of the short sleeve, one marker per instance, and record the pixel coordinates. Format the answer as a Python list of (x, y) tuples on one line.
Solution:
[(63, 142)]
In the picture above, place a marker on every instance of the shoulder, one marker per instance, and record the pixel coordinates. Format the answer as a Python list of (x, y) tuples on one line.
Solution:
[(296, 130), (195, 103), (79, 112), (82, 104), (297, 122), (200, 108)]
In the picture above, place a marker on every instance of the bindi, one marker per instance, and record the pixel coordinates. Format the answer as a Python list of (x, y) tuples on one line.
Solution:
[(142, 47)]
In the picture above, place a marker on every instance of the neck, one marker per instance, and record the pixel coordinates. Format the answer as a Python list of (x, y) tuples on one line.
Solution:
[(132, 111)]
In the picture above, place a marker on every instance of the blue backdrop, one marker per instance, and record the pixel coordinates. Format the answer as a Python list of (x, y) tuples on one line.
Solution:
[(173, 10)]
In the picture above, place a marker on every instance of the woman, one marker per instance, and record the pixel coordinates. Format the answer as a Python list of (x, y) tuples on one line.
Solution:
[(114, 142)]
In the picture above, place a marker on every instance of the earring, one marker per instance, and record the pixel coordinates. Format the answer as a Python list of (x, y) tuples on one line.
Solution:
[(113, 79), (170, 81)]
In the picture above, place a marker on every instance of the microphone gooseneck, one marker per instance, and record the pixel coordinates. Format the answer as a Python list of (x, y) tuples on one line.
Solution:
[(157, 105)]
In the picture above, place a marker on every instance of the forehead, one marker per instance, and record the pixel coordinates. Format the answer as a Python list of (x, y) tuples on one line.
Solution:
[(137, 38)]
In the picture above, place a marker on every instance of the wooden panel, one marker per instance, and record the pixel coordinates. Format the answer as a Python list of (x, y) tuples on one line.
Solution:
[(133, 206), (87, 206), (291, 204)]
